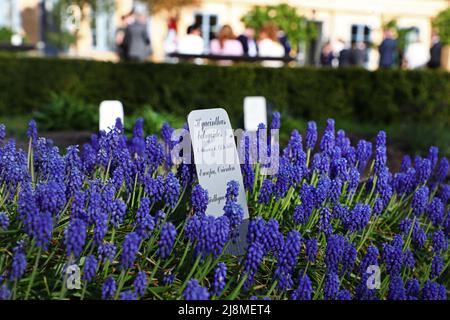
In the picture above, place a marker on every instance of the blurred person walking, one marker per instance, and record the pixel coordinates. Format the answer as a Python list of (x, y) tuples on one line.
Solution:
[(170, 44), (248, 42), (192, 42), (388, 50), (283, 39), (137, 40), (270, 46), (358, 54), (435, 52), (345, 56), (327, 55), (121, 49), (226, 43)]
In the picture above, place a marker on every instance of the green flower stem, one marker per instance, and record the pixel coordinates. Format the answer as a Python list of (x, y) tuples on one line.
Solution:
[(408, 239), (366, 234), (183, 257), (14, 290), (274, 284), (202, 272), (31, 161), (237, 290), (121, 282), (194, 267), (255, 181), (134, 189), (319, 287), (84, 290), (33, 275), (152, 274), (385, 286), (107, 170)]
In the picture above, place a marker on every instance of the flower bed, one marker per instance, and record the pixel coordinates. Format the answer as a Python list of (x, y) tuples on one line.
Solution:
[(132, 225)]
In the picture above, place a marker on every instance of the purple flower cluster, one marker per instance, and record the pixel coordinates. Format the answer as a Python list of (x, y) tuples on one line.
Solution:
[(199, 200), (75, 237), (140, 283), (90, 268), (209, 234), (267, 233), (311, 250), (107, 252), (194, 291), (130, 249), (109, 288), (255, 254), (118, 193), (4, 221), (304, 289), (287, 260), (166, 239), (220, 275), (145, 223), (18, 265), (393, 256)]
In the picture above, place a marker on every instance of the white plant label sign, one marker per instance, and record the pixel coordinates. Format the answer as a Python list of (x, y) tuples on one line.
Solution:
[(216, 158), (110, 110)]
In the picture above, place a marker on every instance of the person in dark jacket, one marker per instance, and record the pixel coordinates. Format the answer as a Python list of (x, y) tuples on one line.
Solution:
[(283, 38), (249, 45), (388, 50), (345, 58), (358, 54), (327, 55), (120, 36), (137, 40), (435, 52)]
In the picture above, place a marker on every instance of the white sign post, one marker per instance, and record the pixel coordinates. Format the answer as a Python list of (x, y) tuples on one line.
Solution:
[(217, 163), (255, 112), (110, 110)]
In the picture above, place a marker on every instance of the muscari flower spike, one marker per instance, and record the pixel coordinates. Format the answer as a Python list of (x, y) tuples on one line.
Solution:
[(304, 290), (75, 237), (194, 291), (18, 265), (199, 199), (90, 268), (220, 275), (109, 288), (167, 239), (140, 283), (130, 249)]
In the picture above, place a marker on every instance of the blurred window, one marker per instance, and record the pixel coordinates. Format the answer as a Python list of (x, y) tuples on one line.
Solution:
[(360, 33), (102, 26), (10, 14), (210, 25)]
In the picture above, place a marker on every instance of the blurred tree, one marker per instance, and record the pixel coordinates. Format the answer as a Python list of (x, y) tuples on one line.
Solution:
[(285, 17), (442, 25), (6, 34)]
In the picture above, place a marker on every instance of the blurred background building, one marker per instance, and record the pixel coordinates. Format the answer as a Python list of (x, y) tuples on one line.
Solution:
[(340, 22)]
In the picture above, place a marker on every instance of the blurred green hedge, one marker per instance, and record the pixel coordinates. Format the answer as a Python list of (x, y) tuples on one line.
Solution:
[(385, 96)]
